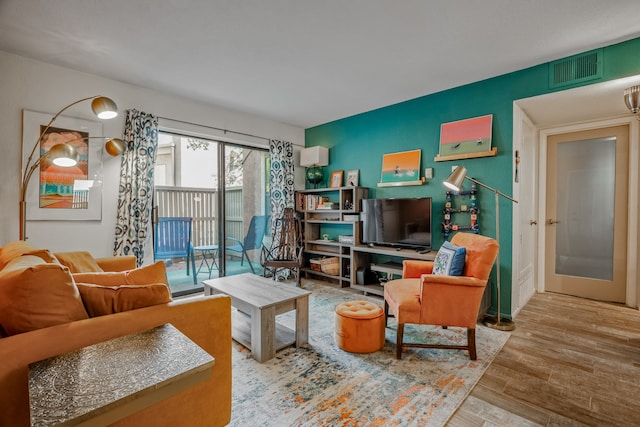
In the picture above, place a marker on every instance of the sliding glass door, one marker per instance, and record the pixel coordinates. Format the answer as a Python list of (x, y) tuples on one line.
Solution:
[(222, 188), (246, 206)]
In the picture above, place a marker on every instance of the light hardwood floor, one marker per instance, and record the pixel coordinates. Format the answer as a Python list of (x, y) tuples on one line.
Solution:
[(569, 361)]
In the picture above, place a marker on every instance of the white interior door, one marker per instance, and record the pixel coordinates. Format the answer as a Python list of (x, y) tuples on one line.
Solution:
[(525, 178), (586, 213)]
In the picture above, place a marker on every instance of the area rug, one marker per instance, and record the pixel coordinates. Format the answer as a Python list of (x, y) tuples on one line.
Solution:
[(321, 385)]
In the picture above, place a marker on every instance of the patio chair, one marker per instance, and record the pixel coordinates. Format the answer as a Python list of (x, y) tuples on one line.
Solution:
[(253, 239), (285, 252), (172, 239)]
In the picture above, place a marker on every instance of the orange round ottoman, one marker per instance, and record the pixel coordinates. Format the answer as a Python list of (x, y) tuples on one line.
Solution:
[(359, 326)]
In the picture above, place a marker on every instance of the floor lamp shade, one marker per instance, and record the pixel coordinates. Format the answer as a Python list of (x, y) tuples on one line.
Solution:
[(454, 183), (455, 180)]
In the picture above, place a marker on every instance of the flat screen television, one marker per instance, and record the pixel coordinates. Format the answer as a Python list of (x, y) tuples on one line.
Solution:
[(402, 223)]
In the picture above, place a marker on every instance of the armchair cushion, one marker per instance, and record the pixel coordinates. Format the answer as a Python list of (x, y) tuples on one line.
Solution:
[(78, 261), (100, 300), (449, 260)]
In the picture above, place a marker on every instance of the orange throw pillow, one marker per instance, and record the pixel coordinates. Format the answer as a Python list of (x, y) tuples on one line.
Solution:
[(35, 295), (101, 300), (78, 261), (13, 250), (154, 273)]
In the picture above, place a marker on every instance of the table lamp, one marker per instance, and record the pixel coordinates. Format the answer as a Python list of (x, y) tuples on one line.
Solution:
[(313, 158)]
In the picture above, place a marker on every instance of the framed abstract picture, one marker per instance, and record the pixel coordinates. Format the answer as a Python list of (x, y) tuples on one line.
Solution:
[(63, 193)]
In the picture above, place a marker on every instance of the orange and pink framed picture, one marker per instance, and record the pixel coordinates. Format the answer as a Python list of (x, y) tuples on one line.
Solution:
[(402, 168), (63, 193), (467, 136)]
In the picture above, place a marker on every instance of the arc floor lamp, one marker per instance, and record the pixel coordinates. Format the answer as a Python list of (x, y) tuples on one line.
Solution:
[(64, 154), (454, 182)]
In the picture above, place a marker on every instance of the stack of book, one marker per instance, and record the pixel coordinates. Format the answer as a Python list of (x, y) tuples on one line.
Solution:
[(312, 202)]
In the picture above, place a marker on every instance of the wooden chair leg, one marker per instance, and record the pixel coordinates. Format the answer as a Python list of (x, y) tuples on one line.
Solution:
[(471, 342), (399, 334), (386, 313)]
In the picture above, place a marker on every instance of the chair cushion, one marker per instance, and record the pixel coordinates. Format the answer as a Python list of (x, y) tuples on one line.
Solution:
[(403, 297), (101, 300), (78, 261), (449, 260)]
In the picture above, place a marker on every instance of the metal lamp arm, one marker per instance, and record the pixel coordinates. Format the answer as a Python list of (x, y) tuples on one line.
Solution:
[(27, 176), (42, 134), (491, 189)]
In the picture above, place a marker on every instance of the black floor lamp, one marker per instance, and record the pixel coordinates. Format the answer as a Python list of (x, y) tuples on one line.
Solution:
[(454, 182)]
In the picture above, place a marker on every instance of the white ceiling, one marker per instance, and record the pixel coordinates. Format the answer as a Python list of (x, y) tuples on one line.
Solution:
[(308, 62)]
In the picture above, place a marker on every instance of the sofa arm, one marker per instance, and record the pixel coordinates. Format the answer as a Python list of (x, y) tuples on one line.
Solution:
[(206, 321), (117, 263)]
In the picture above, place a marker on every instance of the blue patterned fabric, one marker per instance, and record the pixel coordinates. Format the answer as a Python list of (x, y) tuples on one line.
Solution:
[(135, 192), (449, 260)]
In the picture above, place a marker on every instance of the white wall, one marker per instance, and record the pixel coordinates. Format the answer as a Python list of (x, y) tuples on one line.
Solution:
[(37, 86)]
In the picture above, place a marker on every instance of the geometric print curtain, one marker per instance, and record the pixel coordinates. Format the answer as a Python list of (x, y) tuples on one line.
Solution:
[(135, 191)]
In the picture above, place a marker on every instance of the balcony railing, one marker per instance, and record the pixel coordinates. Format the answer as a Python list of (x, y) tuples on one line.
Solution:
[(201, 204)]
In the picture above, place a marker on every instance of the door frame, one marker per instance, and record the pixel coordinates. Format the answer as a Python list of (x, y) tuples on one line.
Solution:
[(632, 291)]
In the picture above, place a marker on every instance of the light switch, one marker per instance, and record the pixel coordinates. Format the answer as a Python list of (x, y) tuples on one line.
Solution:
[(428, 173)]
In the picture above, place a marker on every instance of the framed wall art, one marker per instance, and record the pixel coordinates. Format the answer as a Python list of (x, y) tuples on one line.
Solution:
[(63, 193), (466, 139), (353, 177), (336, 179), (402, 168)]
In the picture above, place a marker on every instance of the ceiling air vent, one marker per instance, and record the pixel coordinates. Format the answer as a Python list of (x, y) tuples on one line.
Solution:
[(576, 69)]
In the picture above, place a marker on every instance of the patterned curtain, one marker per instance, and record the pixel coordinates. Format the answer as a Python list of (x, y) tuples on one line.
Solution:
[(135, 193), (281, 180)]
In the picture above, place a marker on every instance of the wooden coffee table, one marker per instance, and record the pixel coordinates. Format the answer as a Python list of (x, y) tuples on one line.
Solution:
[(258, 301)]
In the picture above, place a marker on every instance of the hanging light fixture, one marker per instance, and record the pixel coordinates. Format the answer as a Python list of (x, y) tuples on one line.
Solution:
[(632, 98)]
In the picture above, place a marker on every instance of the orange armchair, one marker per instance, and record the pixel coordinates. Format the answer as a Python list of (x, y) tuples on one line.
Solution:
[(423, 298)]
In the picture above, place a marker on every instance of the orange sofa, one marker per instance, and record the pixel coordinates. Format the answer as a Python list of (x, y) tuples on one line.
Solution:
[(29, 276)]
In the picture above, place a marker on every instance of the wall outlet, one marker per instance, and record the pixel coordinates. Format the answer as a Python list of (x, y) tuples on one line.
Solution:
[(428, 173)]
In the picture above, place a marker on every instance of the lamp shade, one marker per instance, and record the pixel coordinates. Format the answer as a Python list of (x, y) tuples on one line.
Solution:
[(314, 156), (115, 147), (454, 181), (104, 107), (632, 98), (64, 155)]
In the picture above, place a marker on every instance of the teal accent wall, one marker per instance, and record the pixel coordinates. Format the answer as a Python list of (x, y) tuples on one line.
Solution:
[(360, 141)]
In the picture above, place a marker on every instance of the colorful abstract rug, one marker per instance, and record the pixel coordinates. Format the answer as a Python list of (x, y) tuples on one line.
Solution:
[(321, 385)]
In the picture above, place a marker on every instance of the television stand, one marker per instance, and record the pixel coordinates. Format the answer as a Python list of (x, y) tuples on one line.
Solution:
[(390, 263)]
